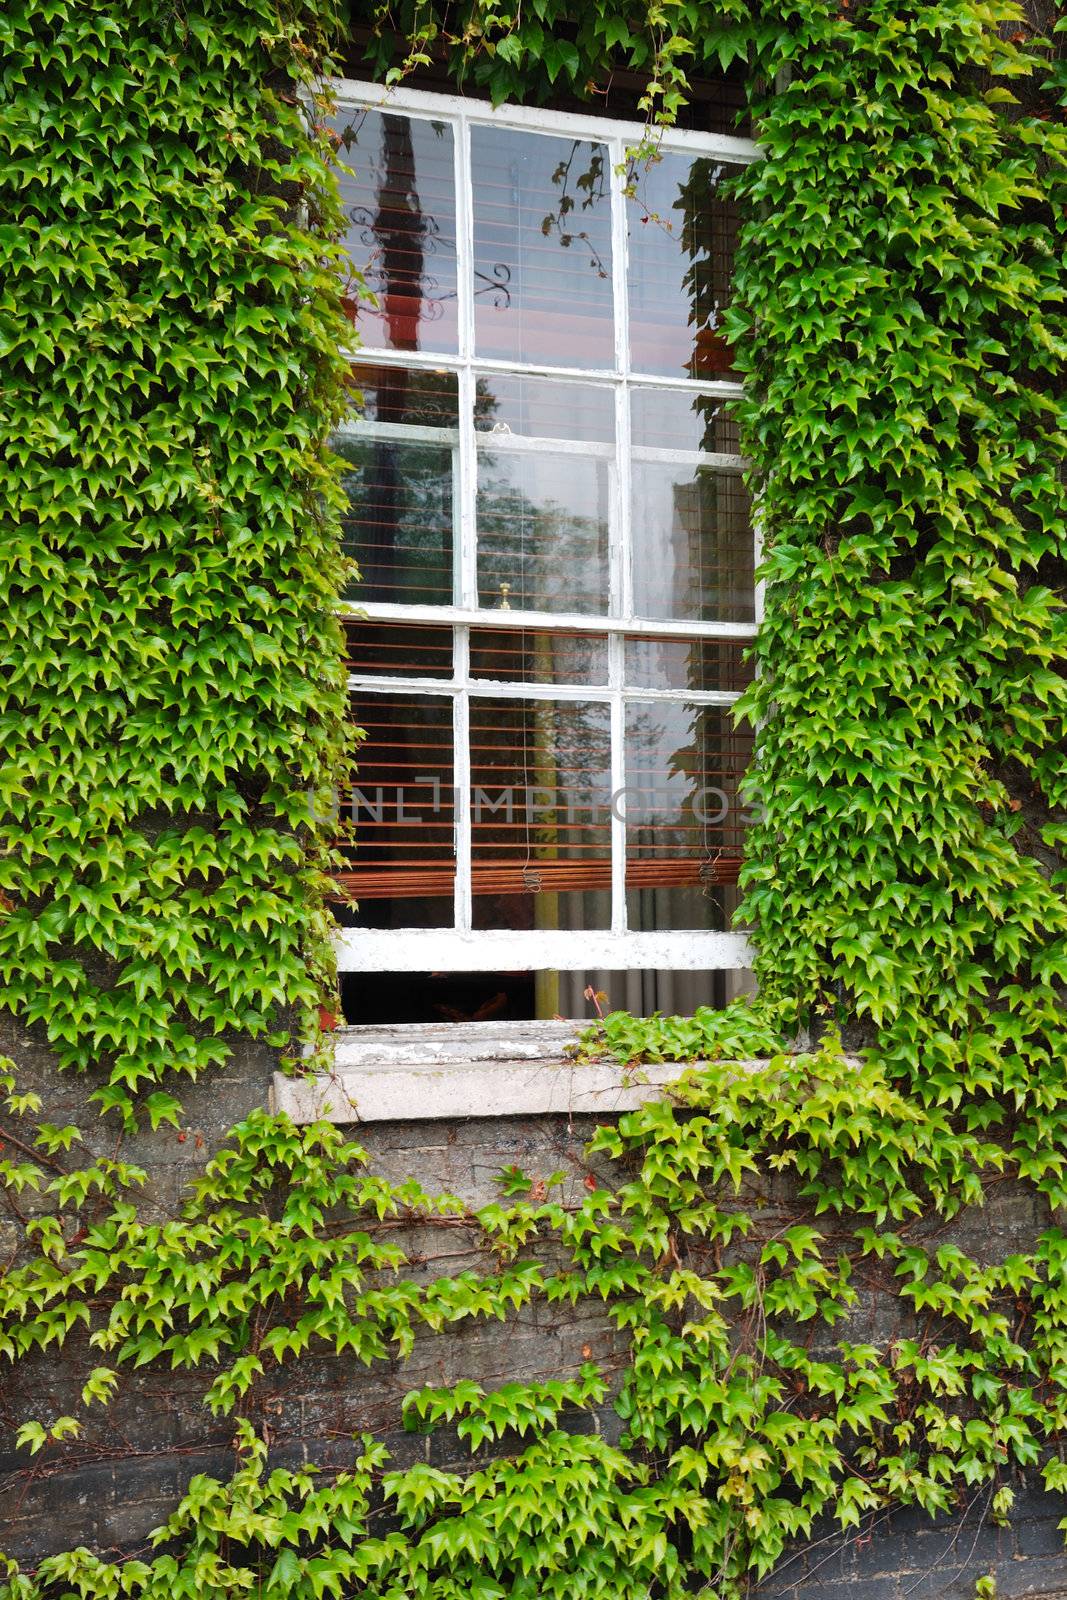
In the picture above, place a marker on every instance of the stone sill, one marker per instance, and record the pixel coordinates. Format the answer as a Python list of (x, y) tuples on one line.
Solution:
[(431, 1071)]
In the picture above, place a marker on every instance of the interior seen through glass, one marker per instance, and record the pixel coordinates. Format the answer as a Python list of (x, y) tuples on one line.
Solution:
[(549, 655), (400, 484), (444, 997), (685, 817), (540, 814), (398, 816), (542, 804)]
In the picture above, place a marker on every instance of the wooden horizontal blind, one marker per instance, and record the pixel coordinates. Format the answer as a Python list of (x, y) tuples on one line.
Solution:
[(401, 806)]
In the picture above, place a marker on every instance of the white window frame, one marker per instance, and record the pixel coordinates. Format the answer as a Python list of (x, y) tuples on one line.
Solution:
[(463, 948)]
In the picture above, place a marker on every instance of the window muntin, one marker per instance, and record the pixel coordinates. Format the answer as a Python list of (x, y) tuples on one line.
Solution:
[(573, 524)]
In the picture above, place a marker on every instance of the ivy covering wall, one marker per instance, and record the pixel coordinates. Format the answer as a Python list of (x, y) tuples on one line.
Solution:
[(172, 691), (172, 688)]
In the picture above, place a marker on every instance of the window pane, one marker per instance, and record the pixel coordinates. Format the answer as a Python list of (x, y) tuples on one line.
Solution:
[(678, 419), (687, 664), (639, 992), (542, 249), (522, 655), (684, 825), (398, 524), (414, 397), (682, 234), (400, 206), (544, 408), (543, 531), (540, 814), (692, 544), (402, 866), (398, 651), (401, 455), (376, 997)]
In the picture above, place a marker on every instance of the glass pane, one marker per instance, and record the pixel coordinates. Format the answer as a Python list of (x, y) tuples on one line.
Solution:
[(682, 233), (370, 998), (544, 408), (678, 419), (521, 655), (641, 992), (401, 866), (411, 396), (684, 817), (540, 814), (542, 249), (397, 651), (692, 544), (687, 664), (400, 207), (401, 456), (543, 531)]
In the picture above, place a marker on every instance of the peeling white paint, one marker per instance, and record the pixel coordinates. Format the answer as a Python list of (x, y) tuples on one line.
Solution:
[(480, 1069), (537, 949)]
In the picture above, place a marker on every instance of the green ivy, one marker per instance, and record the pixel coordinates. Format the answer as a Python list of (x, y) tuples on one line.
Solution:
[(172, 690), (172, 694)]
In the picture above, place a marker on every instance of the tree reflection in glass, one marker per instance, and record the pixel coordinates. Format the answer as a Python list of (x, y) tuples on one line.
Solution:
[(543, 514), (542, 249), (399, 519), (684, 817), (693, 556), (682, 231)]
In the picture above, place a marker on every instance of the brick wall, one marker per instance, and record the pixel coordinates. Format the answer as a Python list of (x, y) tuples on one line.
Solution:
[(110, 1488)]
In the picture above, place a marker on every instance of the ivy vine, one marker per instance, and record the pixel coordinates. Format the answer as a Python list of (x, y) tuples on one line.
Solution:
[(172, 695)]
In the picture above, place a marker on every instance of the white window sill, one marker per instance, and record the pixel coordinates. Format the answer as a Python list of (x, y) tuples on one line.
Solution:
[(473, 1069)]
